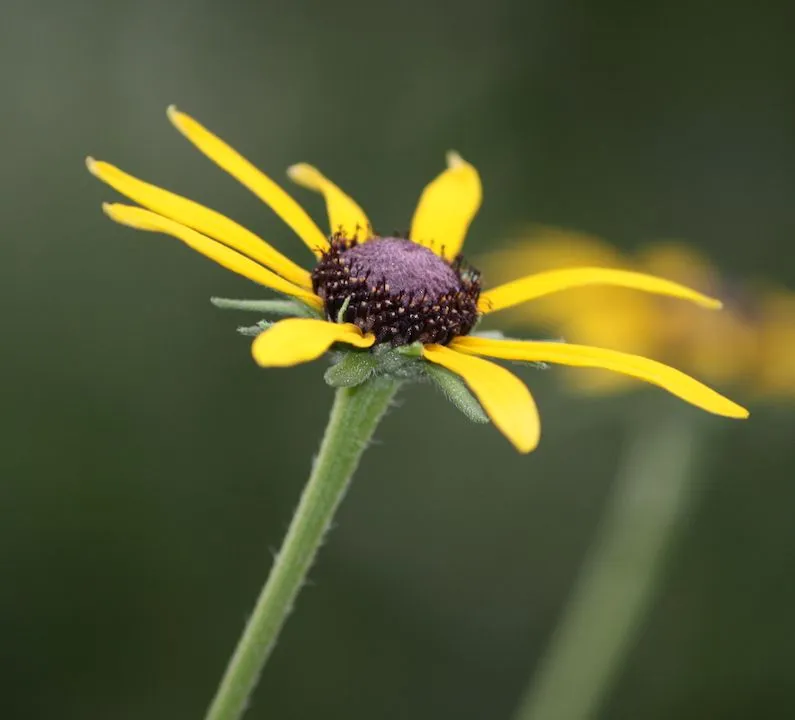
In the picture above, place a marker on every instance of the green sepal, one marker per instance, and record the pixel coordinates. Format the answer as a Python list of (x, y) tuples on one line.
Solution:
[(292, 308), (352, 369), (456, 391), (254, 330), (412, 351), (401, 362)]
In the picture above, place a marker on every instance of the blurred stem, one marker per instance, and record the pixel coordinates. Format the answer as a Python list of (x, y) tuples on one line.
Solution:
[(620, 575), (354, 417)]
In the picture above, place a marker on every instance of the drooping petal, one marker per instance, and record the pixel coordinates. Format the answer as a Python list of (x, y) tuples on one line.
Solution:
[(544, 283), (299, 340), (230, 259), (255, 180), (200, 218), (446, 208), (674, 381), (504, 397), (344, 214)]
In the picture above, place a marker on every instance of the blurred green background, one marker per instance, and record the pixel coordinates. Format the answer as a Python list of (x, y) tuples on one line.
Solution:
[(149, 469)]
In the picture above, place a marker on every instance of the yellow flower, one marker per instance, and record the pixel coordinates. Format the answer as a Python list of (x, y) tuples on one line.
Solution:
[(374, 292)]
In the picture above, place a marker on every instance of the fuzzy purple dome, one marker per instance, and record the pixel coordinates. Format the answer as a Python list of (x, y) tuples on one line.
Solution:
[(404, 265)]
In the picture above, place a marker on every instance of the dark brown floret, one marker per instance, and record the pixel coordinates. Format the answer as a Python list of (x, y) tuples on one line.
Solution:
[(398, 290)]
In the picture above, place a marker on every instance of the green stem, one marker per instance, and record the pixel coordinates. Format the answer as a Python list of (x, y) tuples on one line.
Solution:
[(353, 420), (653, 491)]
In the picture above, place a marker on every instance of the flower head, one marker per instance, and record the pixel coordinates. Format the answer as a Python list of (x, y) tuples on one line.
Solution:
[(404, 306), (398, 290)]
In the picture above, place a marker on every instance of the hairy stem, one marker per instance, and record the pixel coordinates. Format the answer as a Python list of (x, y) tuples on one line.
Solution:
[(353, 420)]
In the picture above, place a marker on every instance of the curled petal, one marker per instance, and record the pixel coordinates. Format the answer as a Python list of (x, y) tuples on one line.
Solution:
[(299, 340), (544, 283), (344, 214), (674, 381), (446, 208), (255, 180), (504, 397), (230, 259), (200, 218)]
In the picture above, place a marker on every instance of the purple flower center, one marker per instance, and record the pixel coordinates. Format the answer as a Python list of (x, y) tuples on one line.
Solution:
[(403, 265), (398, 290)]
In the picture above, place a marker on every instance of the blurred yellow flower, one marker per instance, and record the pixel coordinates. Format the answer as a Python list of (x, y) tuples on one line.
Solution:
[(775, 372), (750, 343)]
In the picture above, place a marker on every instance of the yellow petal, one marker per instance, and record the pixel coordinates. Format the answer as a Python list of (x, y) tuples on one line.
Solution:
[(503, 396), (200, 218), (255, 180), (446, 208), (230, 259), (544, 283), (344, 215), (299, 340), (674, 381)]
